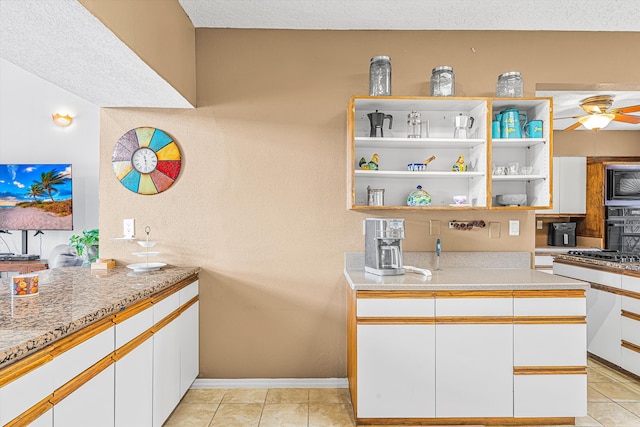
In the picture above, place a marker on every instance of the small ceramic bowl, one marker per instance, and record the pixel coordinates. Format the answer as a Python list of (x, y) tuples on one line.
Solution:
[(460, 200), (417, 167)]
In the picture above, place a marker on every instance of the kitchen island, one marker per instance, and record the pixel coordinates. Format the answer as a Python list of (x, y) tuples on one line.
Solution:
[(98, 347), (501, 346)]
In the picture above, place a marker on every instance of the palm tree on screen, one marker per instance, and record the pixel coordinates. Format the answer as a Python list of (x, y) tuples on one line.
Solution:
[(35, 191), (50, 179)]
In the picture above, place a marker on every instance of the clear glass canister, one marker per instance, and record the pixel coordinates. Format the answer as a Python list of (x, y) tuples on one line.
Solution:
[(510, 85), (380, 76), (443, 81)]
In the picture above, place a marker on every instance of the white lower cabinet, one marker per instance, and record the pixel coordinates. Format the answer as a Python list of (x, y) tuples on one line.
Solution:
[(189, 354), (134, 387), (550, 395), (603, 325), (474, 376), (89, 405), (396, 371), (166, 372)]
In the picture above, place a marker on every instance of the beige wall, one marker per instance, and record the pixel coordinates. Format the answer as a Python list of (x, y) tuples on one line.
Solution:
[(159, 32), (260, 202)]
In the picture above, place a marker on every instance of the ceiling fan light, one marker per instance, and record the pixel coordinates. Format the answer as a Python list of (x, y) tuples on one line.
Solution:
[(596, 121)]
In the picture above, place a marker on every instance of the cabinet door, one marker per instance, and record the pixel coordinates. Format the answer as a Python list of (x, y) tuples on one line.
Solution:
[(603, 324), (572, 191), (189, 357), (90, 405), (134, 387), (550, 395), (475, 370), (396, 371), (44, 420), (21, 394), (166, 372)]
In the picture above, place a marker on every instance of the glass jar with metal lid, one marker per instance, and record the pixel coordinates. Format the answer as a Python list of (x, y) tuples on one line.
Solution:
[(510, 85), (380, 76), (443, 81)]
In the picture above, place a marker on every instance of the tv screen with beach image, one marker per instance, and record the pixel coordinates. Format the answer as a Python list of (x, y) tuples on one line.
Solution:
[(36, 197)]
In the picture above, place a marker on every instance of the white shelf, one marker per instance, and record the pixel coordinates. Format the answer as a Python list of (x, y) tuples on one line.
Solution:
[(411, 174), (517, 177), (517, 142), (391, 142)]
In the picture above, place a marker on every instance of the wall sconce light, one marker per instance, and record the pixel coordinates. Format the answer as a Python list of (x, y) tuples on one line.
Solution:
[(61, 120)]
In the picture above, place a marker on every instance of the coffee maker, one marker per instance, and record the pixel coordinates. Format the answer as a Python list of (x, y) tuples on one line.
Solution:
[(383, 246)]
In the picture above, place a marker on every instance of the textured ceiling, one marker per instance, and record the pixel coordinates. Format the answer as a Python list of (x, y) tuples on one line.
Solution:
[(60, 41), (563, 15)]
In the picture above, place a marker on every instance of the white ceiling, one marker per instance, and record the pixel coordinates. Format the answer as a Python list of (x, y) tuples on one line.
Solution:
[(60, 41), (563, 15)]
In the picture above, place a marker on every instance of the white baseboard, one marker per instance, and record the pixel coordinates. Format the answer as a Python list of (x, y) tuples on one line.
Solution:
[(271, 383)]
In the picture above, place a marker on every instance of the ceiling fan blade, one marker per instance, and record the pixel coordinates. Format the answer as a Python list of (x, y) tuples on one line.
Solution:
[(576, 125), (568, 117), (629, 109), (627, 119)]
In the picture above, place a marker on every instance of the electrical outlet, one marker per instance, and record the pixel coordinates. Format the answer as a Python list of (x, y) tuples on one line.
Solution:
[(539, 225), (514, 227), (128, 226)]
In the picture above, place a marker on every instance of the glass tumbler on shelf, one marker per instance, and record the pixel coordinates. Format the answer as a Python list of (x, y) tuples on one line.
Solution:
[(380, 76), (510, 85), (414, 125), (442, 81)]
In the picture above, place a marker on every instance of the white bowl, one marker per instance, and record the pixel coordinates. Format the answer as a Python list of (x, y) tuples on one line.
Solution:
[(146, 244), (515, 199)]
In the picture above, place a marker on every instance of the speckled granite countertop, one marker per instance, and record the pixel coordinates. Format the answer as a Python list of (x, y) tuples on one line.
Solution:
[(473, 279), (631, 268), (69, 299)]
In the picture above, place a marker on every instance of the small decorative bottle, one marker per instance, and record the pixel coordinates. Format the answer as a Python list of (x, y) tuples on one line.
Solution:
[(509, 85), (380, 76)]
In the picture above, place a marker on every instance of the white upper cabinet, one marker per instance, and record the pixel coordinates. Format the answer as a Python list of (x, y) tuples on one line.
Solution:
[(569, 186), (395, 148)]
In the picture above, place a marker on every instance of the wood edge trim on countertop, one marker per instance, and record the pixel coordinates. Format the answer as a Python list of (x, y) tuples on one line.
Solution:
[(569, 421), (474, 320), (173, 288), (630, 315), (630, 346), (81, 379), (127, 348), (474, 294), (25, 365), (81, 335), (549, 370), (550, 293), (546, 320), (32, 414), (132, 310), (396, 320), (395, 294)]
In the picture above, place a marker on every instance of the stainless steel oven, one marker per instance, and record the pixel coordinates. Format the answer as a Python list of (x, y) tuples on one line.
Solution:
[(622, 183), (623, 229)]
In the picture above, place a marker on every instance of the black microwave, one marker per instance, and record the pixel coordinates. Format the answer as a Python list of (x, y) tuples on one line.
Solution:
[(622, 183)]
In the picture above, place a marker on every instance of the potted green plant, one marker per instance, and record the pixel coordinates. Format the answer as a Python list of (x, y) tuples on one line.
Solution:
[(86, 245)]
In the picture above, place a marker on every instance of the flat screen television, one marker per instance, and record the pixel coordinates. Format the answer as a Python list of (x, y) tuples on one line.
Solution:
[(36, 197)]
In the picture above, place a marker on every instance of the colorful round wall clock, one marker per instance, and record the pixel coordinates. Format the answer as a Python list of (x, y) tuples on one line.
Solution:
[(146, 160)]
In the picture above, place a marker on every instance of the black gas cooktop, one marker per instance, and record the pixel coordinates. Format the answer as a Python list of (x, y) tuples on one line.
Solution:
[(609, 256)]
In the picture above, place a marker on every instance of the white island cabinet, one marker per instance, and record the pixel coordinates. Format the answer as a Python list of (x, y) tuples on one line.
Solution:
[(127, 369), (491, 347)]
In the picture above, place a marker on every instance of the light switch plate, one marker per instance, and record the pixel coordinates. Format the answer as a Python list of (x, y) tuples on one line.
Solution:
[(129, 227), (539, 225), (514, 227)]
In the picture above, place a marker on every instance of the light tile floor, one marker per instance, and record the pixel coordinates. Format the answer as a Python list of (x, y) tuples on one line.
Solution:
[(613, 401)]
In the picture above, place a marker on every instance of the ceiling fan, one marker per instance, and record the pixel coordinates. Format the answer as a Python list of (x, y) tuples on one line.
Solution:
[(598, 114)]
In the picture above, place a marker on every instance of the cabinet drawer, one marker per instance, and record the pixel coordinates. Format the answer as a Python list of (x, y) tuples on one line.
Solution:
[(188, 292), (132, 327), (77, 359), (550, 345), (549, 306), (630, 360), (550, 395), (395, 307), (630, 330), (466, 307), (166, 306), (630, 304), (588, 275), (631, 283), (23, 393)]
